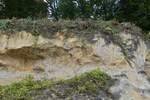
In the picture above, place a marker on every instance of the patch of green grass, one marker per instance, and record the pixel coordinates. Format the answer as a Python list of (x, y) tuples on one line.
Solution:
[(17, 91), (89, 82)]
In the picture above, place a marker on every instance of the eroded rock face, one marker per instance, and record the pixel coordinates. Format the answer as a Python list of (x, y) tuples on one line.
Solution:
[(64, 57), (22, 49)]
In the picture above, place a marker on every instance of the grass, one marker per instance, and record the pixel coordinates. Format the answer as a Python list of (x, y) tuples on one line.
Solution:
[(89, 83), (19, 90)]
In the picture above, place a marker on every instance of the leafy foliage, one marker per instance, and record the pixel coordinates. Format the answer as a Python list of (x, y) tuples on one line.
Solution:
[(24, 8), (137, 11), (1, 8), (84, 8), (67, 9)]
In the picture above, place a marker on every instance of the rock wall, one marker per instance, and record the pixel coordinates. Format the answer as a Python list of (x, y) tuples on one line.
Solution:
[(126, 60)]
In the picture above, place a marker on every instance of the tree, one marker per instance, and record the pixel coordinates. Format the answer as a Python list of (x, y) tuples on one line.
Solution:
[(2, 6), (24, 8), (52, 9), (136, 11), (104, 9), (68, 9), (84, 8)]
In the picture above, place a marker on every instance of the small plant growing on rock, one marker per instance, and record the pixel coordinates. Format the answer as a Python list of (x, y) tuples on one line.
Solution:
[(4, 24)]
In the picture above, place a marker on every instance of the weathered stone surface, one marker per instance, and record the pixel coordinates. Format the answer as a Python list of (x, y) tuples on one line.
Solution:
[(64, 57)]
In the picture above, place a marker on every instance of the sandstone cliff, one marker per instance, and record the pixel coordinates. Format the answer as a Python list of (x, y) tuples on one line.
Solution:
[(61, 50)]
